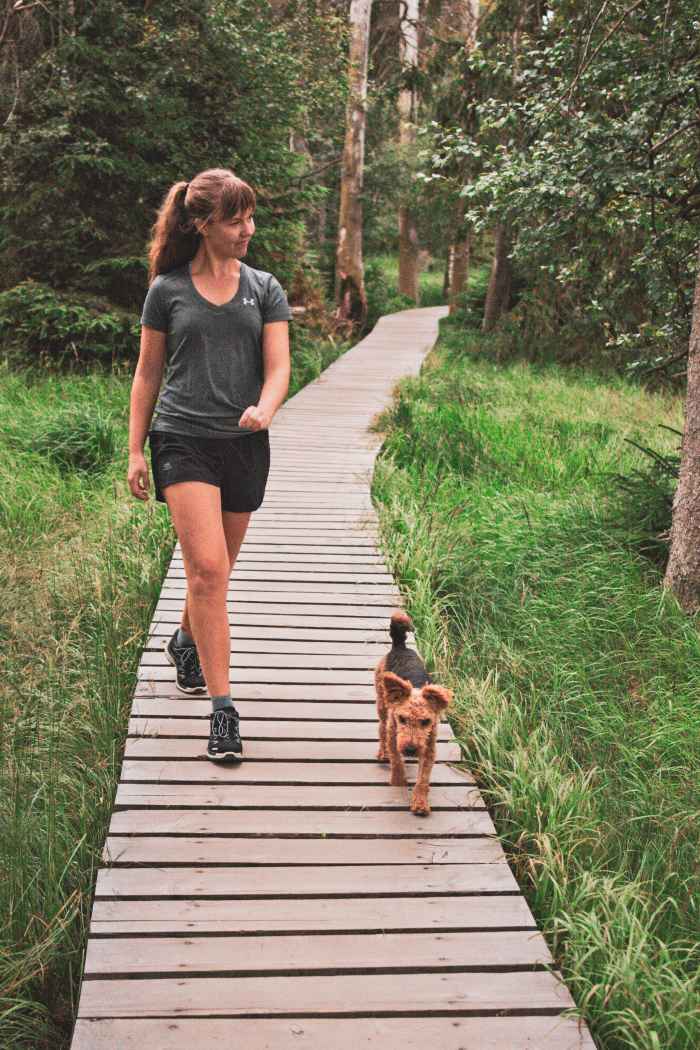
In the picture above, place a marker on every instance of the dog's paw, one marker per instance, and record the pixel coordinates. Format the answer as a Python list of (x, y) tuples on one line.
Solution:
[(420, 806), (382, 756)]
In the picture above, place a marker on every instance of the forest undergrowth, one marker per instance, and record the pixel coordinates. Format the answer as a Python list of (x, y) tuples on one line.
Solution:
[(81, 571), (534, 582)]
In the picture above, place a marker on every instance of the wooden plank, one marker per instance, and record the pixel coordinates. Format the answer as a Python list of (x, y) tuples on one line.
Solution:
[(348, 880), (273, 729), (324, 915), (271, 750), (423, 993), (379, 1033), (345, 693), (297, 797), (184, 851), (272, 711), (370, 652), (330, 824), (249, 771), (298, 616), (342, 953), (266, 675), (242, 657), (354, 639)]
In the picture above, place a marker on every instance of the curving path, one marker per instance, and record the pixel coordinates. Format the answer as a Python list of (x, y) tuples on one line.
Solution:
[(294, 901)]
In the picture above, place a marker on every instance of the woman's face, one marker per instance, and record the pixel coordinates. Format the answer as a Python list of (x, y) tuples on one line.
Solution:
[(229, 238)]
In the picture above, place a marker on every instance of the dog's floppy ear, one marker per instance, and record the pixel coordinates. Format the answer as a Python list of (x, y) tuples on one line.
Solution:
[(397, 689), (437, 696)]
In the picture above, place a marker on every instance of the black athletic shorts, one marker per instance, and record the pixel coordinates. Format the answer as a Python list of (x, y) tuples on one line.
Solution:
[(238, 466)]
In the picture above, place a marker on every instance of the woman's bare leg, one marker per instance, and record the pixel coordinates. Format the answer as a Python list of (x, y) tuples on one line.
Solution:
[(195, 509), (235, 527)]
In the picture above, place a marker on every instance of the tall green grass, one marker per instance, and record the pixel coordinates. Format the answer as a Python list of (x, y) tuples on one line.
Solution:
[(528, 575), (81, 569)]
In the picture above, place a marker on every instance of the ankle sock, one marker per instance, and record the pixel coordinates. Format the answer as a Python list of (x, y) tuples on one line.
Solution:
[(221, 703), (183, 638)]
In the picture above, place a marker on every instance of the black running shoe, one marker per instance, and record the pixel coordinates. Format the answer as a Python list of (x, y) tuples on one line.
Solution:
[(224, 739), (188, 673)]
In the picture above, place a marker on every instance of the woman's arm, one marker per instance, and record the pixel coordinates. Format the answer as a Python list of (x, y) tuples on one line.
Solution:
[(144, 393), (277, 369)]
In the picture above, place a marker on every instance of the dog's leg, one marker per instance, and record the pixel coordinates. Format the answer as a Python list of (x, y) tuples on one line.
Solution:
[(382, 752), (398, 770), (419, 799)]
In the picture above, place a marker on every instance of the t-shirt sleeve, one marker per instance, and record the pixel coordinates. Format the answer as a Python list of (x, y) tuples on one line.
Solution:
[(275, 306), (155, 312)]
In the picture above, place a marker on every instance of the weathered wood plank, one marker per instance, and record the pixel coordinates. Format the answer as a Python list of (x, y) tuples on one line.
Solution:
[(317, 915), (330, 824), (379, 1033), (295, 797), (274, 729), (423, 993), (183, 851), (351, 880), (261, 772), (166, 749), (241, 657), (290, 953)]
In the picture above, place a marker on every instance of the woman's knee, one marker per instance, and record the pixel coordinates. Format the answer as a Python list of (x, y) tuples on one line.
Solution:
[(207, 576)]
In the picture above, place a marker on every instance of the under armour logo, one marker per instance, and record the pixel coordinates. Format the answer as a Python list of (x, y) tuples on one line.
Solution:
[(248, 302)]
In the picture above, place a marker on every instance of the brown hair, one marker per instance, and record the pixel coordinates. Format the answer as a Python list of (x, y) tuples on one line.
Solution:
[(212, 195)]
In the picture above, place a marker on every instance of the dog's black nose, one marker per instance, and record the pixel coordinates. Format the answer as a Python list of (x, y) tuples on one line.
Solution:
[(409, 750)]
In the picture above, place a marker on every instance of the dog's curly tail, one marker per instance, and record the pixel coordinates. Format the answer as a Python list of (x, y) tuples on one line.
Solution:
[(399, 627)]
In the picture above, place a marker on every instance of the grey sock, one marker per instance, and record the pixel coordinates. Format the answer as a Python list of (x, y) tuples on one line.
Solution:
[(183, 638), (224, 702)]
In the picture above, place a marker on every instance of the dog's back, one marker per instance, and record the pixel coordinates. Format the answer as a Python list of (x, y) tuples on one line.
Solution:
[(401, 660)]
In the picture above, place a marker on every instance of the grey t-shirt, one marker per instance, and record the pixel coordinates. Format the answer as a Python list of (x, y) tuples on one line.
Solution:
[(214, 361)]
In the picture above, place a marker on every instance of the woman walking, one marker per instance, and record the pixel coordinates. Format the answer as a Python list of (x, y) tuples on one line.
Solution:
[(219, 329)]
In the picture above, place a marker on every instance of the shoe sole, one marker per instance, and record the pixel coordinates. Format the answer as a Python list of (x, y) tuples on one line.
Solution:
[(228, 756), (181, 688)]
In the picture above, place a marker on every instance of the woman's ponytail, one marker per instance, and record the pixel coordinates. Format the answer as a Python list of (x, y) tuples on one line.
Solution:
[(174, 239)]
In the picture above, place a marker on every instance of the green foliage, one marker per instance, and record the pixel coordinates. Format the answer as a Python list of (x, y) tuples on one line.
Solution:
[(575, 681), (52, 326), (120, 100), (583, 139)]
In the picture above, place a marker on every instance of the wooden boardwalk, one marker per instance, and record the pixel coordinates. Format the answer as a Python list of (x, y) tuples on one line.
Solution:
[(294, 900)]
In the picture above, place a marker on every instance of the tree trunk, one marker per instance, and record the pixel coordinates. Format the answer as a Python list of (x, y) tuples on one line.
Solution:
[(408, 235), (461, 251), (498, 293), (350, 293), (683, 570)]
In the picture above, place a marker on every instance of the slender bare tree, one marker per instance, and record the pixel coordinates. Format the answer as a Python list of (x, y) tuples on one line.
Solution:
[(350, 293), (408, 98), (460, 250), (683, 570)]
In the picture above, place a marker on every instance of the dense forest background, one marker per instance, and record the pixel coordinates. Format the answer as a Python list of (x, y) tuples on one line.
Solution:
[(535, 166)]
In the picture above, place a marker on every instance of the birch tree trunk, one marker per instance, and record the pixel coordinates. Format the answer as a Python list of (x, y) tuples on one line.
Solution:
[(350, 293), (408, 236), (461, 250), (683, 570)]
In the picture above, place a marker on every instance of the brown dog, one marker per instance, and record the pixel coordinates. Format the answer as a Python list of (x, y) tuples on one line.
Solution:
[(409, 707)]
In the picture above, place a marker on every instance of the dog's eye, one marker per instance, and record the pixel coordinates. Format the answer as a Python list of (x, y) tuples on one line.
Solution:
[(402, 720), (425, 722)]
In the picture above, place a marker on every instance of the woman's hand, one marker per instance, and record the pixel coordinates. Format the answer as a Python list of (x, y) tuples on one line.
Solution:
[(255, 418), (137, 476)]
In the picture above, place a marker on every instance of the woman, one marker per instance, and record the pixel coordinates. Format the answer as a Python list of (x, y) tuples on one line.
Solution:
[(221, 327)]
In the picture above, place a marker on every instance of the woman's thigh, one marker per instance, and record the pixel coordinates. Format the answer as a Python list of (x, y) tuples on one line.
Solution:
[(235, 527), (195, 509)]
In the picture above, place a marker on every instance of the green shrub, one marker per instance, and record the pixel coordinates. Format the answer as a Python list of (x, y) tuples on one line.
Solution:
[(38, 321)]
